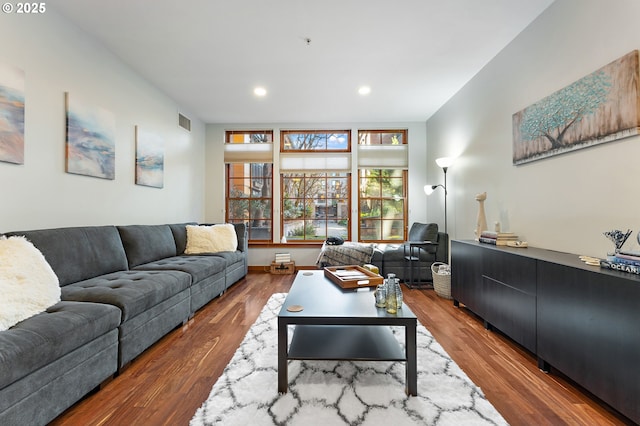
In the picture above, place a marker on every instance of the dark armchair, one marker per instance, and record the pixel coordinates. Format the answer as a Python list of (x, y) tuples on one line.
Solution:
[(424, 242)]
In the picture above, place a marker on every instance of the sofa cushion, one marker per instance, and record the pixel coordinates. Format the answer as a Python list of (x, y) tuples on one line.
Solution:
[(179, 231), (132, 291), (43, 338), (79, 253), (231, 257), (147, 243), (211, 239), (199, 267), (28, 285)]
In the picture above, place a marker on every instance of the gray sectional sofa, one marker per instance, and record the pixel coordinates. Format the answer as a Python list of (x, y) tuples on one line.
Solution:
[(123, 288)]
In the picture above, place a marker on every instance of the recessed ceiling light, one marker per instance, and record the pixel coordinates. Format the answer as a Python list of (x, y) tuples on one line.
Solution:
[(364, 90), (260, 91)]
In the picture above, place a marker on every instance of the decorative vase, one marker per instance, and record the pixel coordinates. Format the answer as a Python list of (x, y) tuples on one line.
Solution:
[(381, 296), (394, 294)]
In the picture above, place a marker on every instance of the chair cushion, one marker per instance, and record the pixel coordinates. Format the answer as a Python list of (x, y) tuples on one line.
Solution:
[(423, 232)]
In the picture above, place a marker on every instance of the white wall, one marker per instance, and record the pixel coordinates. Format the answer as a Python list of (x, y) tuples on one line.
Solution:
[(215, 175), (564, 202), (58, 57)]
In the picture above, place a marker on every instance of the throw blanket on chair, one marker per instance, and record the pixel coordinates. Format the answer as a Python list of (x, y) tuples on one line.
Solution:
[(349, 253)]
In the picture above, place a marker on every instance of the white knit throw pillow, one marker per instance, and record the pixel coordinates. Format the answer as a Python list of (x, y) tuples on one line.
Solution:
[(28, 285), (211, 239)]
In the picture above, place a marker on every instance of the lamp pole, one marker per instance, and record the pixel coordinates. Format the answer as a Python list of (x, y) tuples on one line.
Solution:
[(445, 199), (443, 163)]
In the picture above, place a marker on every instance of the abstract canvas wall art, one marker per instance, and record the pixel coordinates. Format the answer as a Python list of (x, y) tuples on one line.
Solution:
[(601, 107), (91, 147), (149, 159), (11, 114)]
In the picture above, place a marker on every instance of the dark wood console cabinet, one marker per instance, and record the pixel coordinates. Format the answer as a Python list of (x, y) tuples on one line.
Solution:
[(582, 320)]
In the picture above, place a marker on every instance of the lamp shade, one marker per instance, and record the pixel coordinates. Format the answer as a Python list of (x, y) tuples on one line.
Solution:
[(445, 162), (428, 189)]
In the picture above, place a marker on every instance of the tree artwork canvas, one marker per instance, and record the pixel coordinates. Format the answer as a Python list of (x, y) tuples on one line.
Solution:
[(601, 107)]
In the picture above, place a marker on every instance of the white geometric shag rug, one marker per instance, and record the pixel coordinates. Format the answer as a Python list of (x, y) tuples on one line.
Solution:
[(340, 392)]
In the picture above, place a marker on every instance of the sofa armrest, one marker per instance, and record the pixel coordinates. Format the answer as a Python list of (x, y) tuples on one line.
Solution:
[(243, 236), (430, 247)]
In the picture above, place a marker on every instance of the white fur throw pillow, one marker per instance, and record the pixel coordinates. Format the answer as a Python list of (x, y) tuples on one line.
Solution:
[(211, 239), (28, 285)]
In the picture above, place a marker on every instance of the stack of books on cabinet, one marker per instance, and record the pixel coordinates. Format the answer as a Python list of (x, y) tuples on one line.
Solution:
[(497, 238), (626, 261)]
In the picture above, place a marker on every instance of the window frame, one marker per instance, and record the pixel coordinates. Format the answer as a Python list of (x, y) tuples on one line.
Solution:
[(346, 176), (381, 198), (251, 166), (283, 134), (317, 153), (403, 132)]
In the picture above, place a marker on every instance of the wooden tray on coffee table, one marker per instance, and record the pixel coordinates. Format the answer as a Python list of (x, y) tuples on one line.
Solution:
[(352, 276)]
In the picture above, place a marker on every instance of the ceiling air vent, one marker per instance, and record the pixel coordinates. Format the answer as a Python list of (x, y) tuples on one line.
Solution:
[(184, 122)]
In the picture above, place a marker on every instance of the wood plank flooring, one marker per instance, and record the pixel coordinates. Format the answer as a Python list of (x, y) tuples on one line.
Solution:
[(168, 382)]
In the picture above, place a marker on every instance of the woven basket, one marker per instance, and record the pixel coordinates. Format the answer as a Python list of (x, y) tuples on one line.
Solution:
[(441, 282)]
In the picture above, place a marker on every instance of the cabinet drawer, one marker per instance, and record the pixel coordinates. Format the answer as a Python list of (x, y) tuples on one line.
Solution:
[(513, 270), (511, 311)]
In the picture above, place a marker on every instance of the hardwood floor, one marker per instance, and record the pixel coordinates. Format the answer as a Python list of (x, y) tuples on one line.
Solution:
[(168, 382)]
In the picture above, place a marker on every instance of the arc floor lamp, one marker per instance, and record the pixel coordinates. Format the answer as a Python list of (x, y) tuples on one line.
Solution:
[(444, 163)]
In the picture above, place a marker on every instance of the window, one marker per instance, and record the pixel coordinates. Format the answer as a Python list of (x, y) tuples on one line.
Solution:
[(316, 141), (315, 184), (382, 137), (382, 204), (382, 185), (315, 206), (250, 184)]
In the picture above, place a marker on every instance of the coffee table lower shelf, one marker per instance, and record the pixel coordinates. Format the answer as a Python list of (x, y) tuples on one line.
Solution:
[(345, 342)]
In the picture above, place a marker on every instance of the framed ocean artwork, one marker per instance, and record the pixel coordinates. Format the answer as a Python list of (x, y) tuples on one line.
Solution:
[(149, 159), (599, 108), (91, 146), (11, 114)]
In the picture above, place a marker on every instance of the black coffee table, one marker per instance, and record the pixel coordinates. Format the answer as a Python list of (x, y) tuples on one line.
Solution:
[(337, 324)]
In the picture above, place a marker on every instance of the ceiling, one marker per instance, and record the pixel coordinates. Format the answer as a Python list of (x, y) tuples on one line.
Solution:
[(310, 56)]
